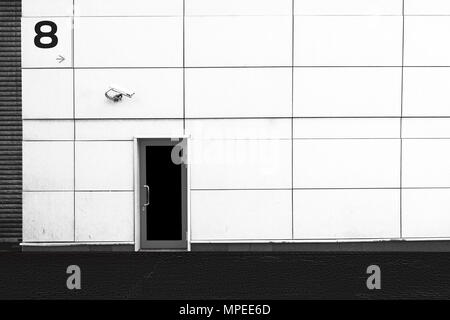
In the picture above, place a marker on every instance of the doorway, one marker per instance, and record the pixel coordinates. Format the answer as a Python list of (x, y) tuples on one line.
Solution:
[(163, 193)]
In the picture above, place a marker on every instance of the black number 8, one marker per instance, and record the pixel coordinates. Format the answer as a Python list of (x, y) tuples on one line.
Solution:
[(40, 34)]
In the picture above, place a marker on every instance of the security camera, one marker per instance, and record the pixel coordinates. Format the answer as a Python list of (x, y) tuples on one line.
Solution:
[(116, 94)]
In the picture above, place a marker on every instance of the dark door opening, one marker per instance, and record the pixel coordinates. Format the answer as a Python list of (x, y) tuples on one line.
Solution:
[(163, 194)]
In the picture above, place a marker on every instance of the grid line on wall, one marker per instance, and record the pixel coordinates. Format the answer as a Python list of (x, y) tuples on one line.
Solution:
[(243, 118), (323, 188), (184, 67), (74, 121), (292, 118), (401, 120), (239, 67), (233, 139), (250, 189)]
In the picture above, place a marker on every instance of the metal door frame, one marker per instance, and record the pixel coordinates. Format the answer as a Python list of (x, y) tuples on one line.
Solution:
[(145, 244)]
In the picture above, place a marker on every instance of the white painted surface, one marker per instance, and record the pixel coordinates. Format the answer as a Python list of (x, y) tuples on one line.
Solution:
[(128, 8), (47, 8), (346, 128), (34, 57), (427, 7), (100, 42), (339, 214), (239, 92), (426, 163), (47, 93), (426, 92), (238, 7), (347, 163), (47, 165), (239, 129), (47, 130), (105, 165), (247, 140), (348, 7), (426, 213), (158, 93), (104, 216), (48, 216), (362, 92), (424, 44), (122, 129), (426, 128), (241, 215), (238, 41), (240, 164), (348, 41)]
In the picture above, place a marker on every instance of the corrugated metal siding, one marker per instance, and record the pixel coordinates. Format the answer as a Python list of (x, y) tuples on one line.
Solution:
[(10, 123)]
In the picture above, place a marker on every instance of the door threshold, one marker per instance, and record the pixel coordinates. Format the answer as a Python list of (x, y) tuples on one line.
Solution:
[(163, 250)]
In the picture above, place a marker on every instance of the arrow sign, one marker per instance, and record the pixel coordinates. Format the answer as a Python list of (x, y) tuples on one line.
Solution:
[(60, 58)]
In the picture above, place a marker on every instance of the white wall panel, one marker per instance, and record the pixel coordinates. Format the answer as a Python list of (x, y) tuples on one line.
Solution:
[(158, 93), (52, 98), (426, 92), (240, 164), (104, 216), (241, 215), (347, 163), (47, 130), (346, 128), (425, 43), (47, 8), (149, 42), (238, 41), (128, 8), (348, 41), (427, 7), (48, 216), (104, 165), (346, 214), (426, 163), (330, 92), (239, 92), (426, 213), (35, 57), (238, 7), (47, 93), (426, 128), (127, 129), (239, 128), (47, 165), (348, 7)]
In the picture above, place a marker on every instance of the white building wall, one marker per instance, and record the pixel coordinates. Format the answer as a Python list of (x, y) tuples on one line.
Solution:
[(306, 117), (426, 145)]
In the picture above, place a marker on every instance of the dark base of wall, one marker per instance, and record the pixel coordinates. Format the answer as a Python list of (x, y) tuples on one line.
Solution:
[(10, 247), (382, 246), (385, 246), (83, 248)]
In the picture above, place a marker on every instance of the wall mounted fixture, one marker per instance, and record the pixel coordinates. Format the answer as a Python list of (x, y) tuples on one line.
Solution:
[(116, 95)]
